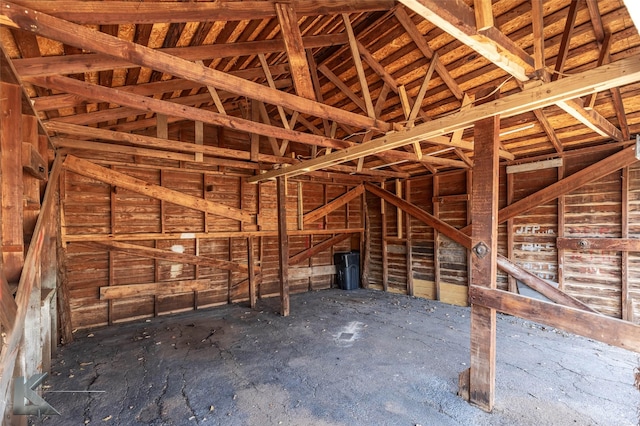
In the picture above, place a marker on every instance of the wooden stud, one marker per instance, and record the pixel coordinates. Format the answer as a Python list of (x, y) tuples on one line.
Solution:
[(484, 14), (399, 212), (385, 254), (199, 139), (561, 231), (436, 237), (409, 243), (511, 281), (283, 242), (484, 241), (252, 278)]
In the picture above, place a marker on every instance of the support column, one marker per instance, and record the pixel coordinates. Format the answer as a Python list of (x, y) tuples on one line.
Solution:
[(484, 243), (11, 181), (283, 242)]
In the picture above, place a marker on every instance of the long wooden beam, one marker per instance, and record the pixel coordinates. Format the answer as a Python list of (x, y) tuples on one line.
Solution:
[(599, 327), (458, 19), (606, 244), (67, 32), (464, 240), (154, 253), (618, 73), (322, 211), (89, 169), (153, 289), (318, 248), (87, 62), (126, 12)]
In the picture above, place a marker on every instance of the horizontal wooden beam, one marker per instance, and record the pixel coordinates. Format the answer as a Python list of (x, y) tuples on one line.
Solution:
[(68, 238), (91, 170), (153, 289), (322, 211), (536, 165), (605, 244), (618, 73), (605, 329), (95, 41), (170, 256), (41, 66), (318, 248), (311, 272), (126, 12)]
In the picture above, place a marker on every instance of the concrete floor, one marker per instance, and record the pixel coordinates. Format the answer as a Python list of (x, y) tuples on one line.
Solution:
[(342, 358)]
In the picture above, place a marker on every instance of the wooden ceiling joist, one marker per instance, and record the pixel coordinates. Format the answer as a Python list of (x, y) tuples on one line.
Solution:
[(126, 12), (602, 78), (44, 25)]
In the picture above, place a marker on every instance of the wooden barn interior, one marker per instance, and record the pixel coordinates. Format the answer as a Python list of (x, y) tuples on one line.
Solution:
[(166, 156)]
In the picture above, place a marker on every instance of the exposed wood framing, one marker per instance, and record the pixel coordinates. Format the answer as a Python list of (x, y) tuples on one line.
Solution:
[(484, 241), (464, 240), (458, 20), (616, 74), (318, 248), (283, 243), (593, 326), (152, 289), (124, 12), (95, 41), (316, 214), (295, 50), (89, 169)]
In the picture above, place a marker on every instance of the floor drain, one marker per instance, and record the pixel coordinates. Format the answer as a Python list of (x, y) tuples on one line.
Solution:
[(346, 336)]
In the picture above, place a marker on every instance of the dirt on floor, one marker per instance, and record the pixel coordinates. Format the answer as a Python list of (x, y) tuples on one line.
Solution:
[(342, 358)]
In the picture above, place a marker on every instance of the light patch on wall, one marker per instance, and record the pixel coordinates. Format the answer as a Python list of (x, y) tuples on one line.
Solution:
[(177, 248), (176, 270), (187, 236)]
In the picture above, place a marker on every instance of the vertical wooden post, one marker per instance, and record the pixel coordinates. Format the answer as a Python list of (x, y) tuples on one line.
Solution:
[(11, 181), (484, 237), (626, 300), (409, 242), (512, 285), (283, 242), (436, 237), (385, 256), (561, 205), (252, 278), (399, 211)]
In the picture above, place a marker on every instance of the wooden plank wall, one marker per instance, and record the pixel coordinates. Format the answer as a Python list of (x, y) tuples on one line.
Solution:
[(95, 211), (438, 264)]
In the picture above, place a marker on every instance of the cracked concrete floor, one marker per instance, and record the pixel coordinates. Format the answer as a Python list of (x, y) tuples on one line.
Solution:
[(342, 358)]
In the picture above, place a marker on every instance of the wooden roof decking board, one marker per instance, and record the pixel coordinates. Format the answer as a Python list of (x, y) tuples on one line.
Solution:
[(399, 43)]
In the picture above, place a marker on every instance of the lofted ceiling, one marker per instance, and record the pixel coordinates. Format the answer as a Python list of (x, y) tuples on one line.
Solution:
[(374, 89)]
